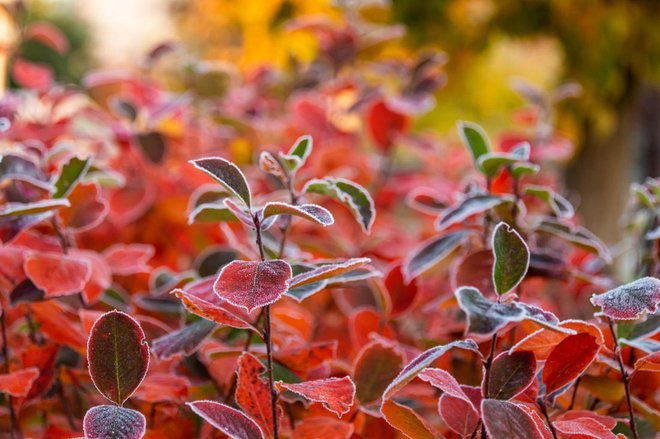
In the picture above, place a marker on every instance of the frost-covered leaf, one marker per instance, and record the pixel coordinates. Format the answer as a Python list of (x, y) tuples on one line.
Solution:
[(506, 420), (484, 316), (127, 259), (113, 422), (406, 420), (313, 427), (253, 392), (629, 301), (423, 360), (350, 194), (327, 271), (217, 313), (297, 155), (560, 206), (57, 275), (568, 360), (459, 415), (310, 212), (468, 207), (16, 209), (228, 175), (444, 381), (251, 284), (650, 362), (584, 426), (577, 236), (336, 394), (510, 374), (183, 341), (19, 382), (70, 173), (302, 292), (230, 421), (430, 253), (117, 355), (474, 138), (375, 366), (211, 213), (511, 258)]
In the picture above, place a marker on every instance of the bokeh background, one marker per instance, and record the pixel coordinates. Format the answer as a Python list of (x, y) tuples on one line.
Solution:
[(611, 48)]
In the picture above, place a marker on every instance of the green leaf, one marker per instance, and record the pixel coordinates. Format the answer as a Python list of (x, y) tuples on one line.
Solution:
[(560, 206), (430, 253), (228, 175), (511, 258), (15, 209), (468, 207), (474, 138), (297, 155), (350, 194), (70, 174)]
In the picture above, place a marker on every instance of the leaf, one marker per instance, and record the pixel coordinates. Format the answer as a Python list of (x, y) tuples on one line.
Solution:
[(271, 165), (211, 213), (577, 236), (402, 294), (227, 174), (374, 368), (321, 427), (127, 259), (468, 207), (161, 387), (297, 155), (406, 420), (327, 271), (42, 357), (253, 392), (649, 362), (560, 206), (19, 382), (505, 420), (250, 284), (629, 301), (474, 138), (56, 322), (336, 394), (213, 312), (15, 209), (568, 360), (57, 275), (511, 258), (70, 173), (422, 361), (492, 163), (430, 253), (153, 145), (183, 341), (112, 422), (350, 194), (634, 330), (117, 355), (444, 381), (584, 427), (485, 317), (543, 341), (459, 415), (511, 374), (305, 358), (310, 212), (88, 209), (230, 421)]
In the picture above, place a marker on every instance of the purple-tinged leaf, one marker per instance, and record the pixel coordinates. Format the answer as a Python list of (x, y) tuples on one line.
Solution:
[(459, 415), (506, 420), (113, 422), (474, 138), (336, 394), (228, 175), (511, 258), (117, 355), (629, 301), (350, 194), (422, 361), (183, 341), (510, 374), (15, 209), (323, 272), (70, 173), (430, 253), (468, 207), (251, 285), (310, 212), (444, 381), (560, 206), (232, 422), (218, 313)]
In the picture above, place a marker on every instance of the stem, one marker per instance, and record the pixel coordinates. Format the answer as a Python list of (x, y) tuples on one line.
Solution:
[(476, 430), (575, 389), (65, 243), (544, 410), (246, 348), (487, 365), (5, 358), (624, 378)]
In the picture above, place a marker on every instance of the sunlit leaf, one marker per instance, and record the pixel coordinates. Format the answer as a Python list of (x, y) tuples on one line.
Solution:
[(228, 175), (336, 394), (568, 360), (505, 420), (113, 422), (230, 421), (19, 382), (510, 374), (253, 284), (629, 301), (117, 355), (430, 253), (511, 258), (70, 173), (406, 420)]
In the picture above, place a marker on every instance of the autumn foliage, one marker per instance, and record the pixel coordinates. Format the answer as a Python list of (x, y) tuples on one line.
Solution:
[(262, 256)]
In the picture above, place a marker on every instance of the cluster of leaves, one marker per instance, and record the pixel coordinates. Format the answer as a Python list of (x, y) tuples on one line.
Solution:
[(166, 275)]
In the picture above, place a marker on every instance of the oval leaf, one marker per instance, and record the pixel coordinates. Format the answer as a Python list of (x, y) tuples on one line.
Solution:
[(406, 421), (629, 301), (227, 174), (310, 212), (230, 421), (117, 355), (336, 394), (183, 341), (510, 374), (505, 420), (430, 253), (511, 258), (112, 422), (19, 382), (70, 173), (326, 271), (568, 360), (57, 275), (474, 138), (375, 367), (468, 207)]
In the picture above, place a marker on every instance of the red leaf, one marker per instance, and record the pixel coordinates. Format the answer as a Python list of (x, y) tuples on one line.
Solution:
[(19, 382), (57, 275), (105, 421), (402, 293), (375, 366), (126, 259), (568, 360), (585, 427), (327, 271), (215, 313), (322, 427), (31, 75), (629, 301), (56, 323), (100, 278), (163, 387), (385, 125), (253, 393), (649, 363), (48, 35), (406, 420), (87, 208), (302, 359), (510, 374), (253, 284), (230, 421), (505, 420), (336, 394), (444, 381), (43, 358), (459, 415), (117, 355)]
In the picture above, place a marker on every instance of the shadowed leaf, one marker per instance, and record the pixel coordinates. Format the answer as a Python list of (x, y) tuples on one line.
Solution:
[(430, 253), (227, 174), (505, 420), (510, 374), (460, 415), (374, 369), (251, 285), (511, 258), (230, 421), (182, 341), (629, 301)]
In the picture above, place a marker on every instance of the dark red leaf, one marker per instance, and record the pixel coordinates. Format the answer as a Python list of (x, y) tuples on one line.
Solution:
[(230, 421), (110, 421), (511, 373), (505, 420)]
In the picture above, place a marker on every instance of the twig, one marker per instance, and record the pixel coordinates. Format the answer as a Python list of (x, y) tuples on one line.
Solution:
[(575, 390), (544, 410)]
